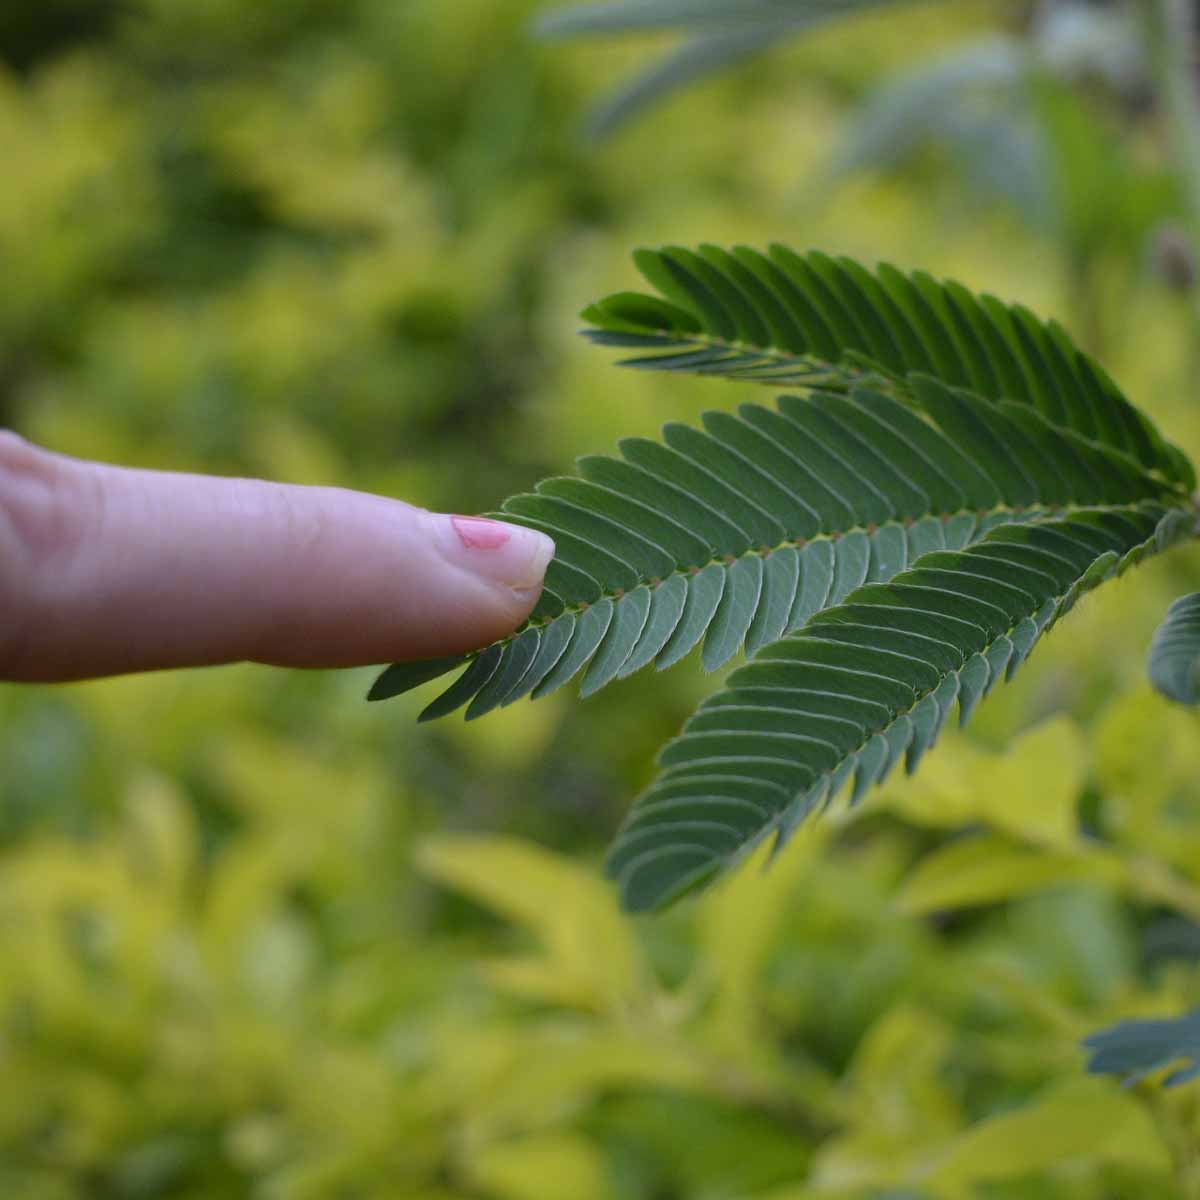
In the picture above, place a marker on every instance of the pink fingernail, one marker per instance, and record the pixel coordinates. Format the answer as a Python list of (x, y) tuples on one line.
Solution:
[(478, 533), (509, 554)]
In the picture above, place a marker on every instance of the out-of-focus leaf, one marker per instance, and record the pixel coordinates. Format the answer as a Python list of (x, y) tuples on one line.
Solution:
[(593, 959), (696, 1146), (804, 1193), (544, 1071), (897, 1074), (1030, 789), (1144, 750), (903, 1110), (541, 1166), (626, 16), (696, 58), (1079, 1119), (1002, 156), (1146, 759), (1091, 41), (1104, 203), (1033, 790), (1135, 1049), (726, 32), (986, 870), (973, 101), (1174, 662), (739, 925)]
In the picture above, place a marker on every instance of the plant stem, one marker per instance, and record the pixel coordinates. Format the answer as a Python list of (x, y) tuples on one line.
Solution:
[(1171, 37)]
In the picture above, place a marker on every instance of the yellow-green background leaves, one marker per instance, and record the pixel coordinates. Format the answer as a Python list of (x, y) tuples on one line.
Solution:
[(261, 941)]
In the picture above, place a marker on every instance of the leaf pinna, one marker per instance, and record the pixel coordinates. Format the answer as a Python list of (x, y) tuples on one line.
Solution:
[(862, 686), (887, 543), (786, 319)]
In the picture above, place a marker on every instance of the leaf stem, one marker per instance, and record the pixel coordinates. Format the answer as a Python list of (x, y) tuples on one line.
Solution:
[(1171, 38)]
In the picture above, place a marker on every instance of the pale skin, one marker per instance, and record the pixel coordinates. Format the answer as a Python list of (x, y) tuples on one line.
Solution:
[(106, 570)]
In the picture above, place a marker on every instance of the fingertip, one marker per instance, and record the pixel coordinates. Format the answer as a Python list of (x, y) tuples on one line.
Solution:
[(512, 555)]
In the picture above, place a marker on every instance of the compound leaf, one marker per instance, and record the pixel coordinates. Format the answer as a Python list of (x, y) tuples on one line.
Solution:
[(887, 546)]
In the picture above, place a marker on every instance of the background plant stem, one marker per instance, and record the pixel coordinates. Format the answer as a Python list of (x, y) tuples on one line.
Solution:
[(1171, 37)]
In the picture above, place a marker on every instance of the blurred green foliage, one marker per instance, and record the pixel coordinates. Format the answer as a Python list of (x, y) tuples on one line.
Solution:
[(258, 939)]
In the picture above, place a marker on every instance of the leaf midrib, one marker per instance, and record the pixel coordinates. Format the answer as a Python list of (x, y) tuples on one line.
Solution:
[(1042, 511), (784, 358)]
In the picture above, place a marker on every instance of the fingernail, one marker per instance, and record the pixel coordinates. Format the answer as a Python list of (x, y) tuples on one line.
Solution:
[(495, 550)]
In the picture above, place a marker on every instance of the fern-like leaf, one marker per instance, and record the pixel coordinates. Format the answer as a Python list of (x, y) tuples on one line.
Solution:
[(1174, 662), (737, 533), (787, 319), (886, 546), (862, 686)]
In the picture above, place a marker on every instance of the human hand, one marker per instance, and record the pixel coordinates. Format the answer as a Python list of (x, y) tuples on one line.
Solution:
[(105, 570)]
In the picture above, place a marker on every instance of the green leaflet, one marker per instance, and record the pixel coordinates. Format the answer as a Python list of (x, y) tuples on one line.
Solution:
[(403, 677), (811, 320), (1174, 662), (861, 685), (736, 533)]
